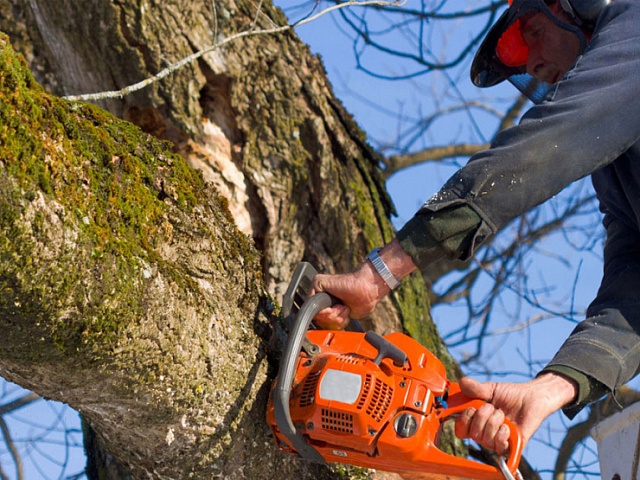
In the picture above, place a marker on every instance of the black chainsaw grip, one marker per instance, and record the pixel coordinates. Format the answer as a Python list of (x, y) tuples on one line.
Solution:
[(286, 375), (298, 289)]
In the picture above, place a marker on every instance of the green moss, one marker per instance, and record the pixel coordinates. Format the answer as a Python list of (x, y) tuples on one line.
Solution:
[(411, 299), (347, 472), (112, 180), (365, 215), (413, 303)]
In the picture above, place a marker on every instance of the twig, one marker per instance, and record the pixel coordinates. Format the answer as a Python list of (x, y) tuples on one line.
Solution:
[(247, 33), (12, 449), (19, 403)]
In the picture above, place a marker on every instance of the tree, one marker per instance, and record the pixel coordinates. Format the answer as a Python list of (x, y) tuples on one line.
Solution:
[(139, 291)]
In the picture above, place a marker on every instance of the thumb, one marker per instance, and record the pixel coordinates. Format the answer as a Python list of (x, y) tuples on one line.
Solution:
[(474, 389)]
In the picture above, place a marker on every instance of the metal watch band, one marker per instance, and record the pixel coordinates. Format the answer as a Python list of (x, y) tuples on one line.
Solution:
[(382, 269)]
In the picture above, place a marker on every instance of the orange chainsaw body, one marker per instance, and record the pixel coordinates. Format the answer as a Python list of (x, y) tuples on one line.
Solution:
[(351, 410), (362, 399)]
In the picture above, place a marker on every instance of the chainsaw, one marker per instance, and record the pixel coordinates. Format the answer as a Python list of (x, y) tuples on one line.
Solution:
[(363, 399)]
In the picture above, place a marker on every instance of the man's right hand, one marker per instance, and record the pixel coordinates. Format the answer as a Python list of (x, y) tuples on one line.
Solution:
[(525, 404), (359, 292)]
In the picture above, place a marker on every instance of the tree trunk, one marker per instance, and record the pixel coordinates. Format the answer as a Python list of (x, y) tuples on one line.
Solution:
[(139, 291)]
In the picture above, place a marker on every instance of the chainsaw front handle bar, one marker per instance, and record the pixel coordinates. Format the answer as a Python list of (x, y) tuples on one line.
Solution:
[(286, 375), (299, 312)]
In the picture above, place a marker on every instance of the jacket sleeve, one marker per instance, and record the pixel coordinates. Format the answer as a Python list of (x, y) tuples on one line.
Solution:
[(429, 236), (586, 122), (606, 345)]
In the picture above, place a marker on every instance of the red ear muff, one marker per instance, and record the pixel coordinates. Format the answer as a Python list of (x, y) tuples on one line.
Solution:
[(511, 48)]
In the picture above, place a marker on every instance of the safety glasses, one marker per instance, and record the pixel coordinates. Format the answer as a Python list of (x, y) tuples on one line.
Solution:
[(511, 47)]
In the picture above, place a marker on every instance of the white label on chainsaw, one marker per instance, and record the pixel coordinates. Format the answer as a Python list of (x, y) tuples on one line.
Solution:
[(340, 386)]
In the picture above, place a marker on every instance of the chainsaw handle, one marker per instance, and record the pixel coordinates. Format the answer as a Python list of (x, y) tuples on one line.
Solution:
[(458, 402), (286, 374), (298, 291)]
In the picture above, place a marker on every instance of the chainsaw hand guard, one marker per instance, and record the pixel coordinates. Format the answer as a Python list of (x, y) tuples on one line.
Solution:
[(366, 400), (286, 376)]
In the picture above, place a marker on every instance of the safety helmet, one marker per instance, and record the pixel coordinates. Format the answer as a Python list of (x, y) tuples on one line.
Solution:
[(503, 53)]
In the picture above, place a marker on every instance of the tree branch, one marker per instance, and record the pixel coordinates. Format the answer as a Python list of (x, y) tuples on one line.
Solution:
[(12, 448), (19, 403), (399, 162), (247, 33)]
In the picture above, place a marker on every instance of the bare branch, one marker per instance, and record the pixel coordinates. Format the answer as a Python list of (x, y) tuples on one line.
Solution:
[(513, 113), (504, 265), (396, 163), (399, 162), (15, 455), (19, 403), (253, 31), (411, 24), (8, 408)]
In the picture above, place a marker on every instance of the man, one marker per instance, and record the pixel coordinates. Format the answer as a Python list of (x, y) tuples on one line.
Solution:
[(587, 122)]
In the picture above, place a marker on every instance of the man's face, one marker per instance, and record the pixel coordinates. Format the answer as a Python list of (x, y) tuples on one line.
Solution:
[(552, 49)]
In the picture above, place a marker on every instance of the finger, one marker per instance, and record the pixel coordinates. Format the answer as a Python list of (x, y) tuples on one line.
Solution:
[(481, 419), (315, 288), (502, 439), (318, 284), (331, 315), (335, 317), (341, 320), (491, 428), (463, 423), (474, 389)]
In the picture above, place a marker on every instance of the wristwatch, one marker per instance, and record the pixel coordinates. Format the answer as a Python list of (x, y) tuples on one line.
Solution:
[(382, 269)]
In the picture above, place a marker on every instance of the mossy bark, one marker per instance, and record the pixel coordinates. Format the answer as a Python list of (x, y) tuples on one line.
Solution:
[(139, 291)]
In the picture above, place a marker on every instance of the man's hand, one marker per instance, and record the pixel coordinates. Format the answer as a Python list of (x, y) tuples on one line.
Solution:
[(360, 291), (525, 404)]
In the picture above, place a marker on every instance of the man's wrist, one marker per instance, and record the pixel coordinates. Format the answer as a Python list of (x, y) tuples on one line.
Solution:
[(397, 261), (559, 390), (588, 388), (381, 269)]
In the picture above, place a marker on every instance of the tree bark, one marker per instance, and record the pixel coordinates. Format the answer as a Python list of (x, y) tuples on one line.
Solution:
[(140, 292)]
